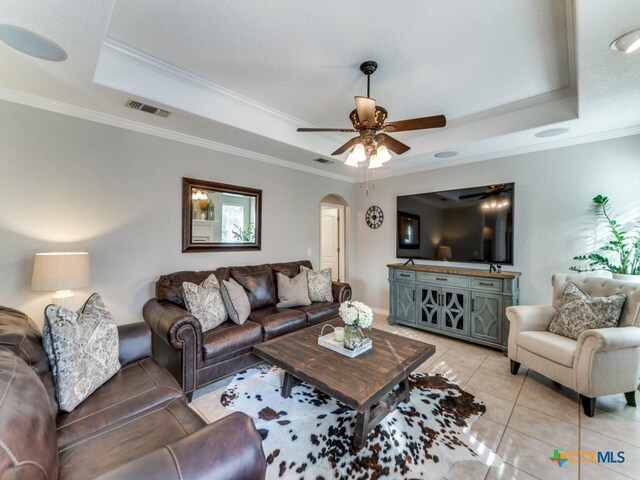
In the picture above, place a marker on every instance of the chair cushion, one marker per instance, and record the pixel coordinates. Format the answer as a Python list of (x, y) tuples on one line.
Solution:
[(96, 454), (579, 312), (320, 311), (278, 321), (229, 338), (556, 348), (204, 301), (27, 425), (136, 388)]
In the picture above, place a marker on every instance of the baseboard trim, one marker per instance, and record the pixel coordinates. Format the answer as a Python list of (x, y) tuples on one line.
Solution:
[(380, 311)]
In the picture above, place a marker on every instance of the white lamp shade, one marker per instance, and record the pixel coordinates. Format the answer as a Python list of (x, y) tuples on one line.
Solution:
[(60, 271), (358, 153), (383, 154), (374, 162), (351, 161)]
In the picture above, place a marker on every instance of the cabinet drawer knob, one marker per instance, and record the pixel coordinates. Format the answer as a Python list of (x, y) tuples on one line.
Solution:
[(441, 279), (488, 284), (404, 274)]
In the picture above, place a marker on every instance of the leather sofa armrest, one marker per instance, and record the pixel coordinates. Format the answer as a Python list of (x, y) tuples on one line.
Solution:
[(230, 448), (606, 339), (341, 292), (166, 319), (525, 318), (135, 342)]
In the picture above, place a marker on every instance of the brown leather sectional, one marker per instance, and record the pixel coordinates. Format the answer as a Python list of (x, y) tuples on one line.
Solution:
[(137, 425), (197, 358)]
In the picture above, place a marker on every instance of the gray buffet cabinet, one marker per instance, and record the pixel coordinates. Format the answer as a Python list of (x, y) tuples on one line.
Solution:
[(464, 303)]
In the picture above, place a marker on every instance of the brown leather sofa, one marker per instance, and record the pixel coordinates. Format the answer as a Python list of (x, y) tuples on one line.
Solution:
[(197, 358), (137, 425)]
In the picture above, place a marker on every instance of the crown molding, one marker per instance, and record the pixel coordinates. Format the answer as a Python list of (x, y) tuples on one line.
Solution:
[(511, 152), (50, 105), (166, 69)]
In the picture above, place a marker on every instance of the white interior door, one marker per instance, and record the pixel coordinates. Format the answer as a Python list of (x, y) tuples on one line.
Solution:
[(330, 240)]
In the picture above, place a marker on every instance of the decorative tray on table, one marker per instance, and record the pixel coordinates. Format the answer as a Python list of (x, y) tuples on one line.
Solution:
[(329, 341)]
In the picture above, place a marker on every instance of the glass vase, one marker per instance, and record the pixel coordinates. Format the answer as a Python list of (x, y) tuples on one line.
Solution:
[(353, 337)]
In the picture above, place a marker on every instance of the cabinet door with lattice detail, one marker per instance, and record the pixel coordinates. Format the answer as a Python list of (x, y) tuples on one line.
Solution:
[(428, 307), (486, 317), (405, 294), (454, 310)]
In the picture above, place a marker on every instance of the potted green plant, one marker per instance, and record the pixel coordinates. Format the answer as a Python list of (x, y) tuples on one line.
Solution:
[(621, 255)]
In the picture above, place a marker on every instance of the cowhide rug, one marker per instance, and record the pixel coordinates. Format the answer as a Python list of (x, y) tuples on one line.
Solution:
[(309, 434)]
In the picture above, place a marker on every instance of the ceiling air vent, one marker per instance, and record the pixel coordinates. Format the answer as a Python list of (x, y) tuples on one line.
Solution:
[(324, 161), (148, 108)]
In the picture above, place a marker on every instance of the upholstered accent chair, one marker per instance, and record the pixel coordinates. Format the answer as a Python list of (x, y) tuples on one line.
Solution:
[(600, 362)]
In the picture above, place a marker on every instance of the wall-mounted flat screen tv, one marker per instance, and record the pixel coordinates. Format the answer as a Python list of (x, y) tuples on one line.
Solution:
[(465, 225)]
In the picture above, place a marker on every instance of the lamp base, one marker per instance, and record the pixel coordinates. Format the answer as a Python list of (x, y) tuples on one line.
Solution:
[(65, 299)]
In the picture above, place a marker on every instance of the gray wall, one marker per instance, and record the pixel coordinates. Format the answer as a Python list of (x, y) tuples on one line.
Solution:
[(553, 221), (70, 184)]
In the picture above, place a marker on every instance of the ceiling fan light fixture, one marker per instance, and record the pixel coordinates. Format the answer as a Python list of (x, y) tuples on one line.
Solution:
[(359, 153), (627, 43), (383, 154), (351, 162), (374, 161)]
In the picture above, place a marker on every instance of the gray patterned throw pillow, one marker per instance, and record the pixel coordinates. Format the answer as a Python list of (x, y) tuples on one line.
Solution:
[(82, 348), (319, 284), (578, 312), (205, 302)]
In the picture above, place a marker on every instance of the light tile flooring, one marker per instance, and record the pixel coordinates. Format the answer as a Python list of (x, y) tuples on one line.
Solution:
[(527, 415)]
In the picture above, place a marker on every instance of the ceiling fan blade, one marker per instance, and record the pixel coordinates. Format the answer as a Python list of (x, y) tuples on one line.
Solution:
[(347, 146), (366, 108), (392, 144), (326, 130), (471, 195), (436, 121)]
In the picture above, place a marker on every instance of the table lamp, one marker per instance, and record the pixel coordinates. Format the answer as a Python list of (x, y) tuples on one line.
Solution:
[(444, 253), (61, 272)]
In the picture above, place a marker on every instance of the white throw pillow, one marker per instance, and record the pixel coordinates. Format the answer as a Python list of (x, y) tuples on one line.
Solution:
[(236, 301), (292, 292), (319, 284), (205, 302), (82, 348)]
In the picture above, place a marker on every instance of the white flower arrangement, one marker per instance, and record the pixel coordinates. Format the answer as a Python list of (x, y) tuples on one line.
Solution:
[(356, 314)]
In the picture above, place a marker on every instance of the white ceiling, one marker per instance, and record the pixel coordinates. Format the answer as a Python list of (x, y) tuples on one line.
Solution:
[(241, 76)]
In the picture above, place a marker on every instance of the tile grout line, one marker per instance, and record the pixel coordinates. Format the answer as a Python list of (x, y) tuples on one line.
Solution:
[(507, 426)]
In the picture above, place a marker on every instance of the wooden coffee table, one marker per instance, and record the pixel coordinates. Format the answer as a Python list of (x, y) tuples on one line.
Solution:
[(372, 384)]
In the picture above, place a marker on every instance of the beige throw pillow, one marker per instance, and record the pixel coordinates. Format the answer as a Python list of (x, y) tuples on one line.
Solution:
[(205, 302), (292, 292), (236, 301), (578, 312), (82, 348), (319, 284)]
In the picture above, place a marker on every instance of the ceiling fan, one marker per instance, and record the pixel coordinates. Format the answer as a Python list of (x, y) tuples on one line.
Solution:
[(492, 191), (369, 121)]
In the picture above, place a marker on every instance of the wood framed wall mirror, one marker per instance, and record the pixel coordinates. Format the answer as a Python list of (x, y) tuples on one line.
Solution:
[(219, 217)]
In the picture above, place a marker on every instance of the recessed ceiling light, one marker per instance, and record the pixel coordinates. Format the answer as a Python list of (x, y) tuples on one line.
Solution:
[(446, 154), (31, 43), (552, 132), (627, 43)]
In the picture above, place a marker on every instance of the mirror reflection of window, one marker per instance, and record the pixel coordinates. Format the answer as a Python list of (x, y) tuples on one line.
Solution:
[(232, 221)]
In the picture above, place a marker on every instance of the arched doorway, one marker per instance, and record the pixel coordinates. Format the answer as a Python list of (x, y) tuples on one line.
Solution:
[(334, 232)]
